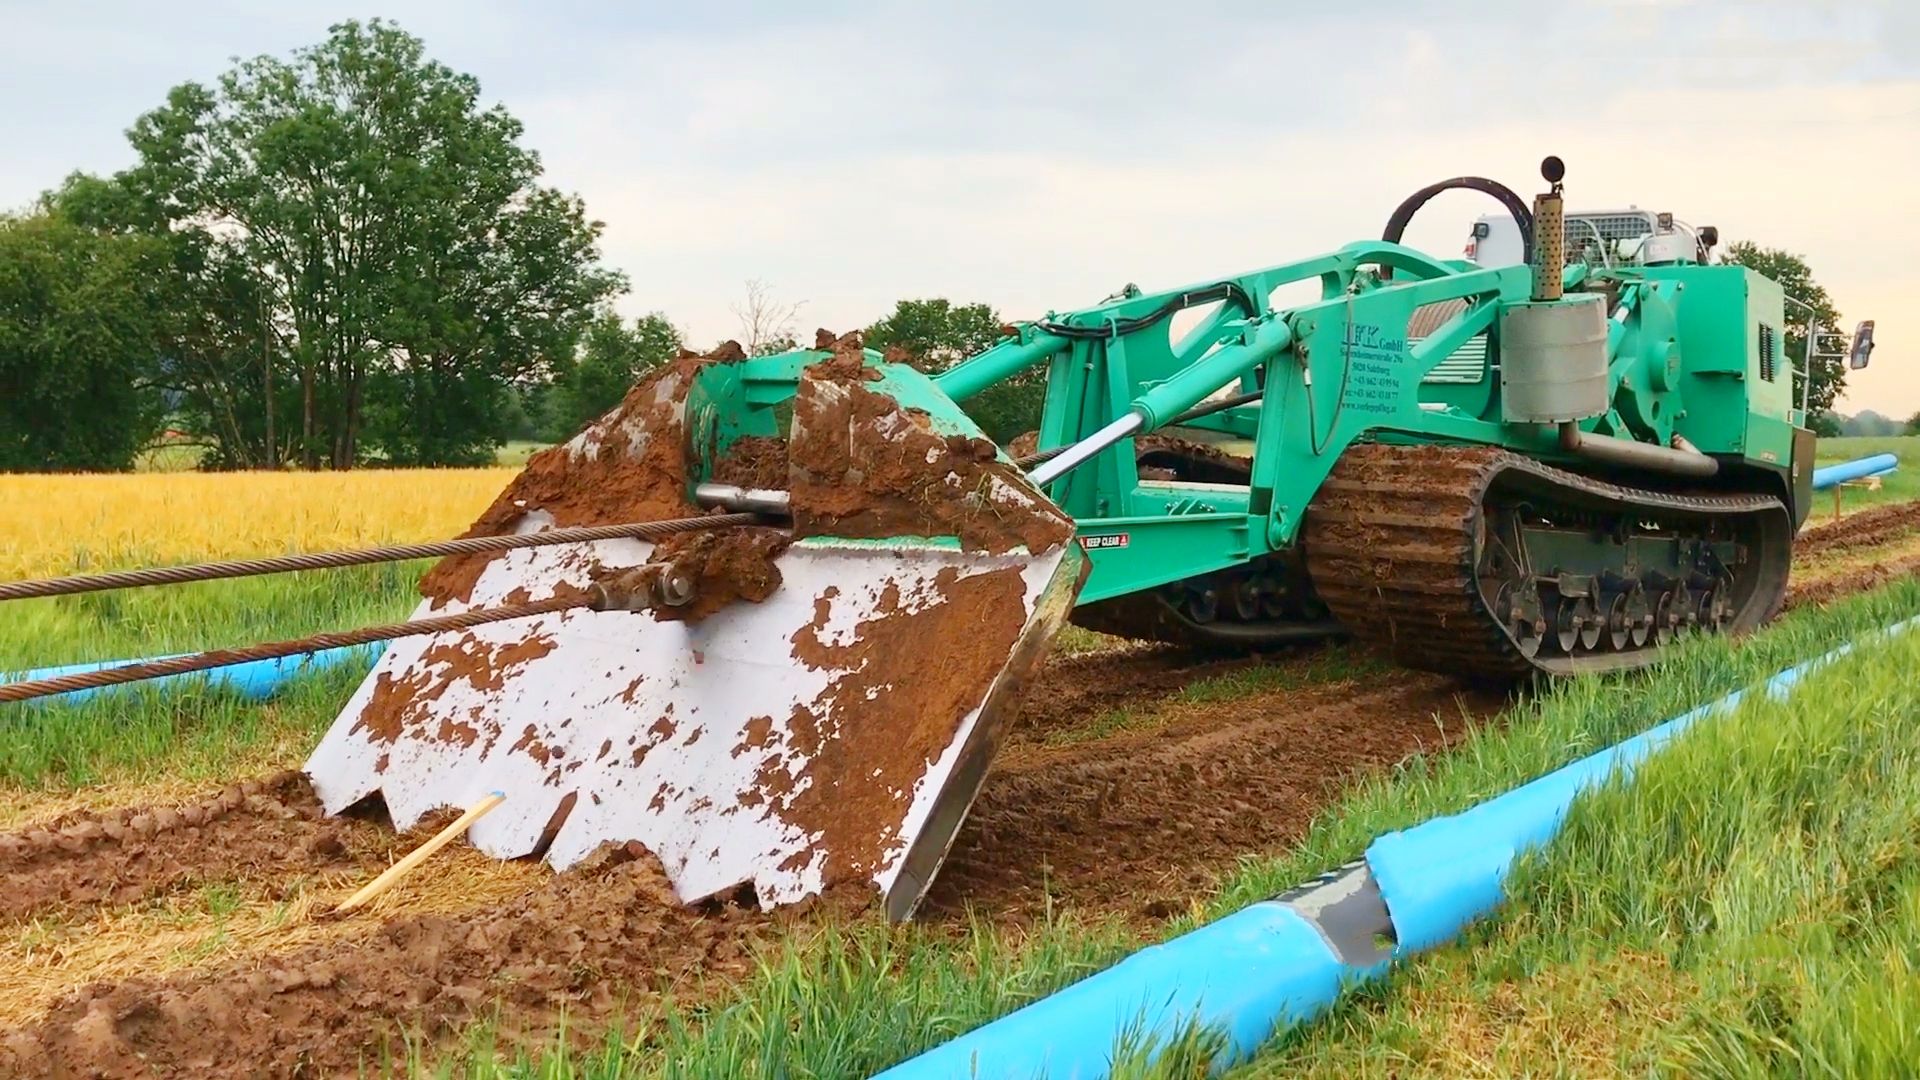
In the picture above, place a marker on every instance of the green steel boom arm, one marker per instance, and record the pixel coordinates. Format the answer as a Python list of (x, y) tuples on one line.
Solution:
[(1342, 369)]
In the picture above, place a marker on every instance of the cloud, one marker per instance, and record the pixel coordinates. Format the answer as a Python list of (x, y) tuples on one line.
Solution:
[(1039, 156)]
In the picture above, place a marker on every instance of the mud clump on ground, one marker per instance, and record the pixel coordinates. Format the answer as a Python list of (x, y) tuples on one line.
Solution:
[(727, 565), (863, 467), (912, 673), (629, 465), (324, 1010)]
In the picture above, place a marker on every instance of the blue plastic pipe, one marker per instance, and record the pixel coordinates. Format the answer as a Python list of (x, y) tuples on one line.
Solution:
[(256, 681), (1266, 967), (1240, 975), (1859, 469)]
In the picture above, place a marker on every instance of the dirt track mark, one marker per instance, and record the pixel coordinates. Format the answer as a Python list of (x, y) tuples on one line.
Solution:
[(1138, 825), (323, 1010), (268, 828), (1872, 527), (1845, 583), (1070, 690)]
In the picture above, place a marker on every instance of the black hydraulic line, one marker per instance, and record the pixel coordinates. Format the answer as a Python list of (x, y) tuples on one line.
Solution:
[(1195, 413), (1517, 207), (206, 661), (325, 560), (1226, 290)]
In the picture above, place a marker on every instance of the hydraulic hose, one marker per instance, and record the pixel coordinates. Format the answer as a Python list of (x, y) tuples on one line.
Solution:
[(1225, 290), (1516, 206)]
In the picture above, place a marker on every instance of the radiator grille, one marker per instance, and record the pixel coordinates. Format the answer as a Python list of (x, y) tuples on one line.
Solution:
[(1769, 353), (1611, 227), (1468, 363), (1596, 237)]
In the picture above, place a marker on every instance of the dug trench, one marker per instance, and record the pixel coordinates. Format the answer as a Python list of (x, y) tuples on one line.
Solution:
[(1105, 826)]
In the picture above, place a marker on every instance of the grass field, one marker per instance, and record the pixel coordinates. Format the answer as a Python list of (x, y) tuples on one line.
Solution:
[(1902, 485), (99, 522), (1668, 910), (1748, 906)]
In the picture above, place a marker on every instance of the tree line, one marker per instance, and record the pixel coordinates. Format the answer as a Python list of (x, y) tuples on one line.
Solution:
[(319, 261), (342, 257)]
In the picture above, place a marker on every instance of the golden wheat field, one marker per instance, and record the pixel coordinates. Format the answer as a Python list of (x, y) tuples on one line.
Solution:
[(67, 524)]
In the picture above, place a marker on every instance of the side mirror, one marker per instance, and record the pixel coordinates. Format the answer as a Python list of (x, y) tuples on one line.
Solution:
[(1862, 348)]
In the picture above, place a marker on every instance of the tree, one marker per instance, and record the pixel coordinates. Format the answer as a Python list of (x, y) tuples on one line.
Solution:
[(78, 345), (766, 324), (412, 267), (612, 357), (1790, 271), (1869, 424), (217, 329), (936, 334), (1913, 424)]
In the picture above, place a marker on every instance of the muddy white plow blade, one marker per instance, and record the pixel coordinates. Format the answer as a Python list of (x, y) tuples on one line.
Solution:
[(836, 732)]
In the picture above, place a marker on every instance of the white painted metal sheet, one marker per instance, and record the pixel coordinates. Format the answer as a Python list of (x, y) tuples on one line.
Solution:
[(660, 732)]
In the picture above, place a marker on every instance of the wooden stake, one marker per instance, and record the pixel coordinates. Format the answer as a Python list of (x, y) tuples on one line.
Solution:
[(392, 875)]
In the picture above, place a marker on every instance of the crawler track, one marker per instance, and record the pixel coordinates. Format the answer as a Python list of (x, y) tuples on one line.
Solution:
[(1484, 564)]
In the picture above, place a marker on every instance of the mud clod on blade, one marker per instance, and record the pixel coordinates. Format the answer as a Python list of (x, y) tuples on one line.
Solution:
[(863, 467)]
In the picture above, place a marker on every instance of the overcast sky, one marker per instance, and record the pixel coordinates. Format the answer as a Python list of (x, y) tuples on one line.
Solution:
[(1040, 155)]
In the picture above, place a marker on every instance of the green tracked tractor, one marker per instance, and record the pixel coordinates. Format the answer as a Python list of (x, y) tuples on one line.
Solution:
[(1483, 471), (1489, 471)]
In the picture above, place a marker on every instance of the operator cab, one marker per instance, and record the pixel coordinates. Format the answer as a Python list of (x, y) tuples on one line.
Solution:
[(1601, 238)]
